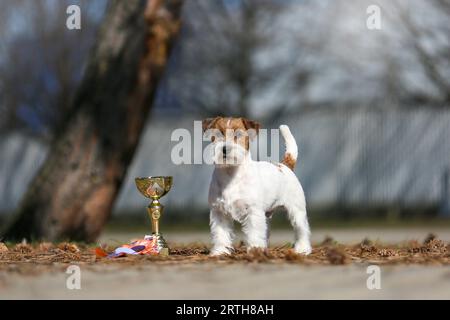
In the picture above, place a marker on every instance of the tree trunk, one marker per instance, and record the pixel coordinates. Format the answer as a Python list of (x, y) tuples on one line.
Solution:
[(72, 195)]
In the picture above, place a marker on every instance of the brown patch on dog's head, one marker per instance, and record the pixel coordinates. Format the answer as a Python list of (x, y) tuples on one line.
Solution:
[(239, 130), (251, 125), (209, 123)]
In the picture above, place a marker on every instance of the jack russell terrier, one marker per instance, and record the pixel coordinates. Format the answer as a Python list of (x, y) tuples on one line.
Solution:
[(249, 191)]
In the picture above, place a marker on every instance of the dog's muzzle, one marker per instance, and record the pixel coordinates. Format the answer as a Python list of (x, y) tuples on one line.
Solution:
[(228, 154)]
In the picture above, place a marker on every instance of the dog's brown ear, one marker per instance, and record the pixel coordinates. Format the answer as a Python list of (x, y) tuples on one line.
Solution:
[(209, 123), (250, 124)]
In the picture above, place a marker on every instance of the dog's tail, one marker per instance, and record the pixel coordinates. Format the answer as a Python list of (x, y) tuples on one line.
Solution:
[(290, 156)]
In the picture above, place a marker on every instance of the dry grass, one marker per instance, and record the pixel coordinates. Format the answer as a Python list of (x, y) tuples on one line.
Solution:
[(28, 258)]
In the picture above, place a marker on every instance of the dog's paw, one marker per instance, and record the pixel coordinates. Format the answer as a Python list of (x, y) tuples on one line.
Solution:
[(303, 248), (220, 251)]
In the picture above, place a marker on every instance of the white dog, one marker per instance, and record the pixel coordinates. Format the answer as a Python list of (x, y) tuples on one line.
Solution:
[(248, 191)]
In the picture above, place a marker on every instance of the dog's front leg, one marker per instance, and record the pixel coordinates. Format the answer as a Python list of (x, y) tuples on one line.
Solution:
[(221, 233), (255, 230)]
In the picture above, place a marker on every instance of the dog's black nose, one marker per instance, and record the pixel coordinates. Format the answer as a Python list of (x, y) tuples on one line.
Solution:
[(224, 150)]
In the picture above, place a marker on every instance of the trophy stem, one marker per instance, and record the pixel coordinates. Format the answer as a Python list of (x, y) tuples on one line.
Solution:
[(155, 210), (155, 226)]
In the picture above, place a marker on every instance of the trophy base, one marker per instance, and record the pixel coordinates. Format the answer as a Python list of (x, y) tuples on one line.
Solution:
[(163, 249)]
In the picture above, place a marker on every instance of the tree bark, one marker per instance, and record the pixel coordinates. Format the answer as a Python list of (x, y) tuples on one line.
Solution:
[(72, 195)]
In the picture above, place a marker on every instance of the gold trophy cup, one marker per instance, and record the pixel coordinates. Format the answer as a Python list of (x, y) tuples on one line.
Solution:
[(155, 188)]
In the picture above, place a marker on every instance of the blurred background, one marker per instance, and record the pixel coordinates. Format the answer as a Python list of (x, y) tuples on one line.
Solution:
[(369, 108)]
